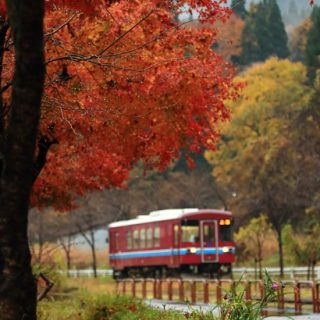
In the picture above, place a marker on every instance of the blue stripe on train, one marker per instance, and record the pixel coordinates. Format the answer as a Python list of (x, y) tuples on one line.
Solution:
[(164, 253)]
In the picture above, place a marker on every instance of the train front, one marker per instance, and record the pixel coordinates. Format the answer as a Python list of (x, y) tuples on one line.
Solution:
[(207, 245)]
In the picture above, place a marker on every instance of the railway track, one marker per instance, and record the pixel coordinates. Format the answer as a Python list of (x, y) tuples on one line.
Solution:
[(296, 297)]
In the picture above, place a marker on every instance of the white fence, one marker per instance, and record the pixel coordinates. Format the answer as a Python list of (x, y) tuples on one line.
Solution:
[(290, 272), (86, 273)]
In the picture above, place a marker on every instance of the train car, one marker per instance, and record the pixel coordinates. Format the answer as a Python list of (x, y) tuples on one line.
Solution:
[(172, 242)]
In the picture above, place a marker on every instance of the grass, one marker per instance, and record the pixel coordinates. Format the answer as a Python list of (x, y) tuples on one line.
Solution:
[(87, 306), (95, 299)]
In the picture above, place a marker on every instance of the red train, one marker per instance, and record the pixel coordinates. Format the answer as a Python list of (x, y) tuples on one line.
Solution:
[(171, 242)]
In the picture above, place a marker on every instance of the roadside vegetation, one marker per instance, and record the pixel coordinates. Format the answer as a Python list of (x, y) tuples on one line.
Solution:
[(96, 299)]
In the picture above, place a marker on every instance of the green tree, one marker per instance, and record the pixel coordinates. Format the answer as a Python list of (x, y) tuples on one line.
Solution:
[(279, 38), (259, 156), (303, 247), (264, 34), (239, 8), (312, 51), (255, 36), (252, 238)]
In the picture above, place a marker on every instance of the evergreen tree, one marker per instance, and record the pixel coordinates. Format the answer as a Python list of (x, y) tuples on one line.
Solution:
[(264, 34), (279, 40), (312, 53), (255, 38), (239, 8)]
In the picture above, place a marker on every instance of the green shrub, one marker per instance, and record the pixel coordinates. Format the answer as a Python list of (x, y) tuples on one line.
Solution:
[(236, 307)]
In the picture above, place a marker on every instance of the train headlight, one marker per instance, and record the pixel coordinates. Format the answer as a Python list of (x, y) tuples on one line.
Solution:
[(226, 249), (225, 222), (193, 250)]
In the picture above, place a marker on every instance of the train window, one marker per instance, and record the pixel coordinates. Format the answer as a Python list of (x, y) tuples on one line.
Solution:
[(156, 237), (129, 240), (190, 230), (176, 234), (116, 242), (209, 234), (142, 238), (226, 233), (149, 237), (136, 239)]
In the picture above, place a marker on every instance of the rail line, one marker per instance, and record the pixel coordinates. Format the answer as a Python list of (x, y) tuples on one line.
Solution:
[(294, 297)]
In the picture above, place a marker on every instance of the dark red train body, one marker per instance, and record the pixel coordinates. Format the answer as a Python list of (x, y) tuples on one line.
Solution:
[(173, 241)]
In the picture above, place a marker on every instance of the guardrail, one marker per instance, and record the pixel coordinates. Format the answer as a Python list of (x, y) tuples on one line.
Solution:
[(290, 272), (294, 297)]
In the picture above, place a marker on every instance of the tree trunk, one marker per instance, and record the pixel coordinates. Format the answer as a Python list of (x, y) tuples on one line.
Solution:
[(93, 251), (280, 248), (309, 268), (260, 259), (68, 255), (17, 285), (67, 250), (255, 269), (91, 242)]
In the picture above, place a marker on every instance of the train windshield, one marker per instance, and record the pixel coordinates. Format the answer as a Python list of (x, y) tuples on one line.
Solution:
[(226, 233), (190, 231)]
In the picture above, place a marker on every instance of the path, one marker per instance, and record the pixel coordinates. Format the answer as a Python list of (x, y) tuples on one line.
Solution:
[(207, 308)]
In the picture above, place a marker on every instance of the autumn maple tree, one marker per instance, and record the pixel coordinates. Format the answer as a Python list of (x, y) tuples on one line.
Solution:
[(126, 85)]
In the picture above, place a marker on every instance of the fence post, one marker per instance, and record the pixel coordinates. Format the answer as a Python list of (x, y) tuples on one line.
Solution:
[(219, 291), (159, 289), (193, 291), (170, 284), (144, 288), (281, 299), (206, 292), (154, 289), (133, 288), (181, 290), (297, 298), (124, 287)]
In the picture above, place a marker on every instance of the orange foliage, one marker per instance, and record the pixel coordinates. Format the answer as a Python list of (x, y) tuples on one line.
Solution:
[(125, 84), (227, 41)]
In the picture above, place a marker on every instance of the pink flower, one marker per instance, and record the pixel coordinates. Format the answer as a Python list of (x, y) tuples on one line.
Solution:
[(275, 286)]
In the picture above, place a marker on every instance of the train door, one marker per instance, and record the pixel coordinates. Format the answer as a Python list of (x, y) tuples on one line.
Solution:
[(209, 241), (176, 242)]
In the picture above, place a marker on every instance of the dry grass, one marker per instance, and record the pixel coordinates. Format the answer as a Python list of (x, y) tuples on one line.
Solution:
[(81, 258), (105, 285)]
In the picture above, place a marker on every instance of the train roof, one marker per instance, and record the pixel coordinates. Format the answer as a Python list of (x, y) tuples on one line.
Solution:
[(167, 214)]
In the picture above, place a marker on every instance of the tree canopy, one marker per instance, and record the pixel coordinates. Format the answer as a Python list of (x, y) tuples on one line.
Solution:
[(120, 89), (312, 48), (264, 151)]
